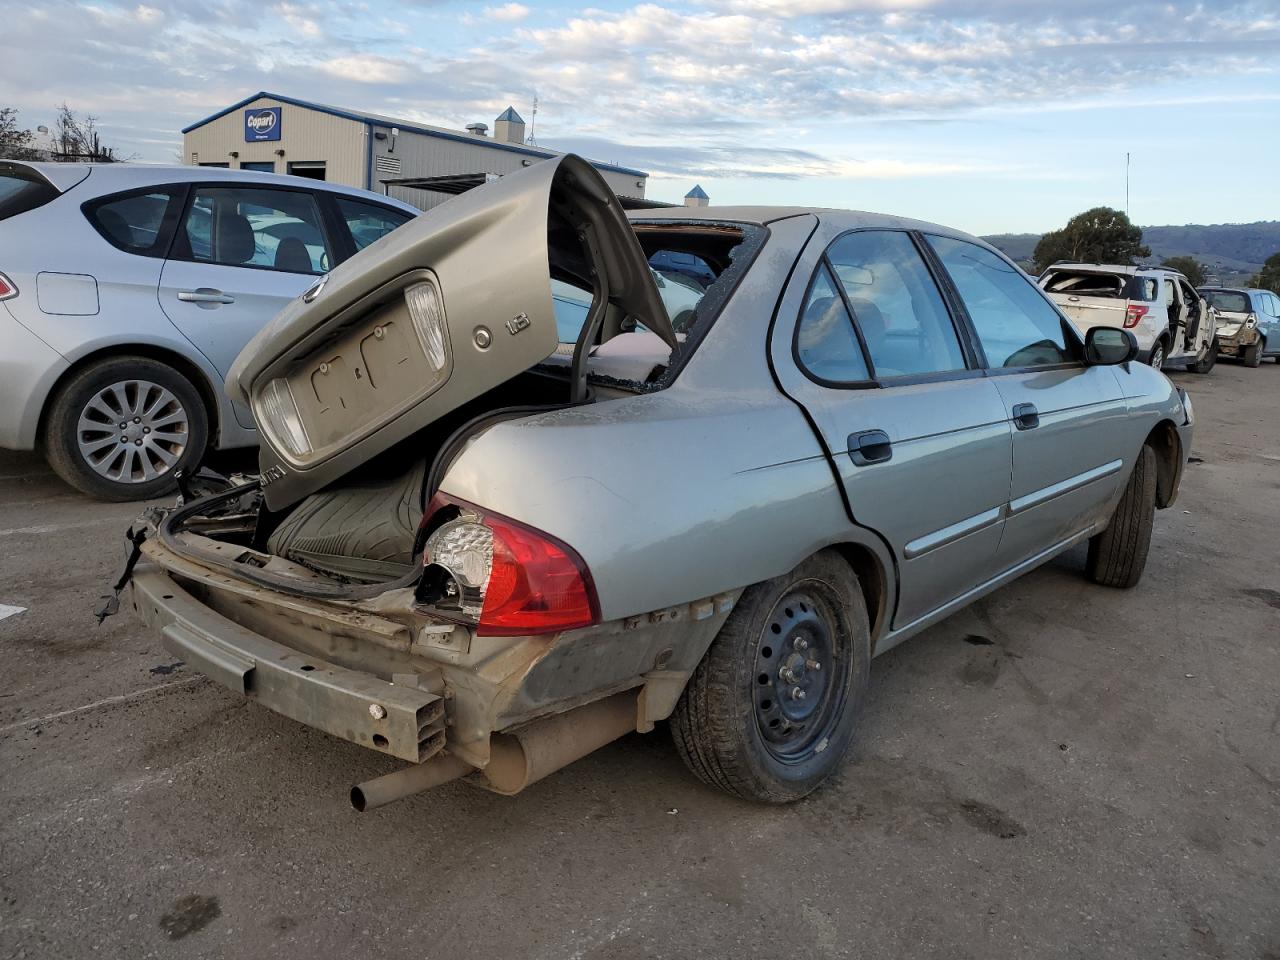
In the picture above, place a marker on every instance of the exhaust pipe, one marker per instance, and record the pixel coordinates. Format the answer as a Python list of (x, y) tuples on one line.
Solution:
[(516, 759), (380, 791), (527, 755)]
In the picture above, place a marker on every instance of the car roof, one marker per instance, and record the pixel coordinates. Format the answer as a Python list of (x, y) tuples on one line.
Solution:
[(1217, 287), (105, 178), (842, 219), (1127, 269)]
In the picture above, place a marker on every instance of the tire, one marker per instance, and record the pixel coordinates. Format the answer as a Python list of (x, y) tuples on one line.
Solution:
[(169, 429), (755, 740), (1158, 354), (1206, 363), (1252, 355), (1118, 555)]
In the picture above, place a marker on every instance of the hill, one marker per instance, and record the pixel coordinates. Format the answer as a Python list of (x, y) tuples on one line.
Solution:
[(1231, 251)]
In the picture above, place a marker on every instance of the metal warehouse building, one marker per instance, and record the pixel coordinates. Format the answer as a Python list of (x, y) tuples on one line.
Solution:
[(268, 132)]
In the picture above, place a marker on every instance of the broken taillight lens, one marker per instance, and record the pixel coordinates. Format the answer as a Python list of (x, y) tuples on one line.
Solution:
[(7, 289), (506, 578), (1133, 313)]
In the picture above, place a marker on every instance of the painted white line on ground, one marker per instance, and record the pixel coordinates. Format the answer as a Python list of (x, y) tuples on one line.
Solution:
[(8, 611), (104, 702)]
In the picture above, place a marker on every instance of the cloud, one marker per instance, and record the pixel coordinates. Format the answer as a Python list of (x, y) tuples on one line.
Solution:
[(508, 11), (748, 88)]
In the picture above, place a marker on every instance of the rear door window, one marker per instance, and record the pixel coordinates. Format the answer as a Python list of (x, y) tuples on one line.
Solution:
[(368, 222), (270, 229), (895, 304), (826, 344), (133, 222), (1015, 323)]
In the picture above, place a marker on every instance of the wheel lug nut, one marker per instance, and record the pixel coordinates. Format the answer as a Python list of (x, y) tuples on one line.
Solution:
[(124, 439), (813, 665), (146, 429), (124, 426), (800, 643), (137, 443), (797, 693), (137, 419)]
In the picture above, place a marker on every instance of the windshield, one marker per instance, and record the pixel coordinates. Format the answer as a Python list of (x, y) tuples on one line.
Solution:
[(1227, 301)]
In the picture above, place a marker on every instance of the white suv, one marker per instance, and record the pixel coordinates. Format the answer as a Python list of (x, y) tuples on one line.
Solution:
[(127, 290), (1174, 325)]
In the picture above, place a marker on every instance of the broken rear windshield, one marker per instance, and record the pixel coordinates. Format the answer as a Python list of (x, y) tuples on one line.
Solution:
[(1228, 301)]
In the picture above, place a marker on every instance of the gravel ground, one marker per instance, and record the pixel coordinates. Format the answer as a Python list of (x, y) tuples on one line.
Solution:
[(1061, 770)]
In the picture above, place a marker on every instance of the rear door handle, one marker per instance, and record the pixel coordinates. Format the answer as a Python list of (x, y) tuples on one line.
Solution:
[(870, 446), (204, 295), (1026, 416)]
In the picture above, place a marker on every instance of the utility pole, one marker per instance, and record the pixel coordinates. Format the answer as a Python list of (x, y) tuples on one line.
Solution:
[(1126, 183)]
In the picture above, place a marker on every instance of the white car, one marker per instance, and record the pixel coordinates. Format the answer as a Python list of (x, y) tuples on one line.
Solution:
[(1173, 324), (127, 290)]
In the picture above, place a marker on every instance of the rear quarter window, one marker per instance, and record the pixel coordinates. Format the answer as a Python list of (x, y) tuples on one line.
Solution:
[(22, 189), (134, 222)]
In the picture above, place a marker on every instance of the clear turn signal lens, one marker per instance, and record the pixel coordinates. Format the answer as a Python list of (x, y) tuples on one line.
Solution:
[(423, 302), (279, 415)]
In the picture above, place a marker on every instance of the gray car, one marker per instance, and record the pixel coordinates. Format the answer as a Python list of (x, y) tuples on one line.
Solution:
[(126, 292), (487, 551)]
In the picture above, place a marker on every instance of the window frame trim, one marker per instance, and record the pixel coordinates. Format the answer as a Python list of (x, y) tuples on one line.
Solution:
[(194, 187)]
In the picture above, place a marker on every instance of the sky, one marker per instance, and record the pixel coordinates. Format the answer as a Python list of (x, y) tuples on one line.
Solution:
[(986, 115)]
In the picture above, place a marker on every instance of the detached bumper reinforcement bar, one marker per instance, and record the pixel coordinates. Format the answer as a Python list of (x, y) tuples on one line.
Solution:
[(402, 721)]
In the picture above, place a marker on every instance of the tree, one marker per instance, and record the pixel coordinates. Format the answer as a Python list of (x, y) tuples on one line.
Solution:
[(1189, 267), (76, 140), (15, 142), (1100, 235), (1269, 278)]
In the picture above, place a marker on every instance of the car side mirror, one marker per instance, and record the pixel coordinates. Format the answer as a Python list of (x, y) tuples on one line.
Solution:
[(1107, 346)]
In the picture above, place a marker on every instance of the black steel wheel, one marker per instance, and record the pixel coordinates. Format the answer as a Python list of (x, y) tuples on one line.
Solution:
[(771, 710)]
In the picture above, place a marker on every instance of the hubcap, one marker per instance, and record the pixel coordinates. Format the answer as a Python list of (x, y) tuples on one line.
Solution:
[(1157, 356), (132, 431), (797, 688)]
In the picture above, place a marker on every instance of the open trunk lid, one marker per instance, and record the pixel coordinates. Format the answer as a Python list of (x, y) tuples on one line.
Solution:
[(433, 315)]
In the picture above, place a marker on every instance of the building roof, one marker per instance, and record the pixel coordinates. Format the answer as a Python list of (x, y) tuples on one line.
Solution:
[(412, 126), (510, 115), (697, 193)]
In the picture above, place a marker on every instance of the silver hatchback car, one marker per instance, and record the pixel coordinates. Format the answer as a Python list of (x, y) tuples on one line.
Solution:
[(487, 551), (127, 290)]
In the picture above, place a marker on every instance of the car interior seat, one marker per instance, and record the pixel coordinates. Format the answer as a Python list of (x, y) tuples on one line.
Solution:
[(292, 256), (233, 237)]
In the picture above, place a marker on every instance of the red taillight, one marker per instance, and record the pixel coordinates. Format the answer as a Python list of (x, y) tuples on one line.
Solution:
[(7, 289), (538, 584), (506, 578), (1133, 313)]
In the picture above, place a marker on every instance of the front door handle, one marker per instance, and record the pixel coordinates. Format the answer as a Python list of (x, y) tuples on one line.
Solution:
[(204, 295), (870, 446), (1026, 416)]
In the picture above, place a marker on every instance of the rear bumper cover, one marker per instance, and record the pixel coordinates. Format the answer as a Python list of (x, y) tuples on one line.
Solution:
[(403, 721), (29, 367)]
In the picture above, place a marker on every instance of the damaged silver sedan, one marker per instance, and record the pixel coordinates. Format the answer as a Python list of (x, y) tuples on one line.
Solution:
[(488, 546)]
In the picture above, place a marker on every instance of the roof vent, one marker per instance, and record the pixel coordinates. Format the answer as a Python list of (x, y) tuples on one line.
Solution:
[(477, 129)]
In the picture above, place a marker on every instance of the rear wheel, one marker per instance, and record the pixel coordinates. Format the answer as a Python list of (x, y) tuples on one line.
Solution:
[(1206, 363), (1252, 355), (120, 428), (770, 711), (1118, 555), (1157, 355)]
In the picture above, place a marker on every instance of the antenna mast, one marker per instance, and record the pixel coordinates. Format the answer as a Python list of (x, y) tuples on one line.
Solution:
[(533, 122), (1126, 183)]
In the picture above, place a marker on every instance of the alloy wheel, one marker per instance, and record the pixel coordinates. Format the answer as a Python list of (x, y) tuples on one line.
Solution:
[(132, 431), (1157, 356)]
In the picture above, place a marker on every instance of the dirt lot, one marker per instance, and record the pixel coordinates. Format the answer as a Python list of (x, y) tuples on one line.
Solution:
[(1059, 771)]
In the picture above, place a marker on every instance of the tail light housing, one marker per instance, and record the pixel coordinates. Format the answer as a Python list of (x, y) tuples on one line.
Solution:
[(1133, 314), (501, 576), (7, 289)]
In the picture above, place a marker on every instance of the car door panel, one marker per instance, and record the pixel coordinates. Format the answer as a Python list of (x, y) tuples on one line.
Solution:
[(1065, 469), (1068, 420), (935, 479), (241, 253)]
